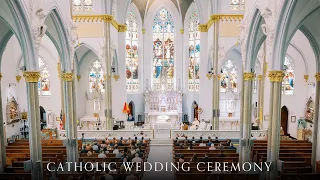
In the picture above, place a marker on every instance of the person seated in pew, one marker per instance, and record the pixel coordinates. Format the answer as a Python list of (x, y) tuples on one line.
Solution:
[(220, 146), (84, 150), (102, 155), (120, 143), (202, 144), (206, 158), (89, 154), (228, 142), (212, 147), (216, 141), (129, 141), (88, 147), (181, 159), (221, 154), (106, 151), (103, 144), (133, 150), (107, 175), (231, 146), (192, 139), (144, 141), (175, 143), (190, 147), (120, 154), (136, 158), (200, 140), (95, 147), (209, 143), (116, 150), (177, 154), (194, 158)]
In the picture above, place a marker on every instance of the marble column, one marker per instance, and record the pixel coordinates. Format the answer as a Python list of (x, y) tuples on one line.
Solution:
[(216, 79), (260, 102), (62, 93), (276, 78), (248, 78), (241, 121), (108, 92), (2, 135), (71, 124), (316, 123), (31, 78)]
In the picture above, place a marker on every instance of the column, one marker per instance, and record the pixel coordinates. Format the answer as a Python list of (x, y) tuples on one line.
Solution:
[(2, 135), (62, 93), (75, 117), (241, 120), (260, 103), (276, 78), (32, 78), (248, 78), (315, 126), (216, 79), (71, 124), (108, 92)]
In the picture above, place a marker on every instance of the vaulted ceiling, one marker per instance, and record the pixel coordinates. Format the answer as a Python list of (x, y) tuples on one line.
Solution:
[(144, 5)]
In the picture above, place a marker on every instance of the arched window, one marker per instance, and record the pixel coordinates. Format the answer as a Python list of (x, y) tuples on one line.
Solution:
[(237, 5), (132, 60), (82, 5), (289, 78), (96, 79), (194, 53), (228, 79), (44, 82), (163, 47)]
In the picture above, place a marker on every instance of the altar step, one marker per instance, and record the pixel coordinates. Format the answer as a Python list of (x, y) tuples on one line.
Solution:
[(161, 142)]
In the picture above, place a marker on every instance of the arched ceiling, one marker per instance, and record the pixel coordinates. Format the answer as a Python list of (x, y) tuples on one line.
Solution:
[(144, 5)]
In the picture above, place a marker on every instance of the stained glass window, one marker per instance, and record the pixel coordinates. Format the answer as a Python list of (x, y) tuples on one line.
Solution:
[(96, 79), (237, 5), (289, 78), (194, 53), (132, 61), (228, 79), (82, 5), (163, 47), (44, 81)]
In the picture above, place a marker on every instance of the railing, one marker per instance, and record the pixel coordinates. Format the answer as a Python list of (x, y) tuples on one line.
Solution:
[(101, 134), (222, 134)]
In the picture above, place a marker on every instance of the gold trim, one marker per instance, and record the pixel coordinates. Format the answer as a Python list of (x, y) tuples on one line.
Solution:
[(248, 76), (78, 77), (317, 76), (105, 77), (209, 76), (95, 18), (222, 18), (259, 77), (67, 77), (276, 76), (265, 68), (181, 31), (143, 30), (59, 70), (116, 77), (0, 75), (18, 78), (306, 77), (31, 76)]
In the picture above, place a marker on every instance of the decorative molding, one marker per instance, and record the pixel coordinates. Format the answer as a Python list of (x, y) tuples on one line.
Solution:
[(181, 31), (59, 69), (259, 77), (31, 76), (143, 30), (222, 18), (78, 77), (248, 76), (116, 77), (101, 134), (18, 78), (230, 134), (96, 18), (67, 77), (276, 76), (317, 76), (306, 77)]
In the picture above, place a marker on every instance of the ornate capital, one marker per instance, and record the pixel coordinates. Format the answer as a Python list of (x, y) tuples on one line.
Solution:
[(317, 76), (143, 30), (306, 77), (203, 27), (105, 77), (276, 76), (18, 78), (67, 76), (31, 76), (78, 77), (0, 76), (209, 76), (248, 76), (181, 31), (260, 77), (122, 28), (116, 77)]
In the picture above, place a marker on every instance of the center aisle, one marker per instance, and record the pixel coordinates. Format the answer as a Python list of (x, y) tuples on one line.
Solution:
[(160, 151)]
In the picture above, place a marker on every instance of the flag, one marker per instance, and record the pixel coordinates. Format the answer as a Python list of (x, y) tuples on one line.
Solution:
[(126, 108)]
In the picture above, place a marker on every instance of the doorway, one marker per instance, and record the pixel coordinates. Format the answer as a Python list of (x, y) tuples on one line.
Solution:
[(284, 119)]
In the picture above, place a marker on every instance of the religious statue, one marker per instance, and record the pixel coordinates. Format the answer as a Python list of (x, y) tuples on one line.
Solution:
[(50, 120), (230, 103), (301, 123), (96, 97), (158, 68)]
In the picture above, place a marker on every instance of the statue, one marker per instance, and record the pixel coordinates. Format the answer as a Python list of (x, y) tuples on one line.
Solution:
[(96, 97)]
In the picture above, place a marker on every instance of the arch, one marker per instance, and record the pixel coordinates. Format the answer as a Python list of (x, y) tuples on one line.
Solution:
[(132, 108), (82, 52), (302, 55), (284, 119)]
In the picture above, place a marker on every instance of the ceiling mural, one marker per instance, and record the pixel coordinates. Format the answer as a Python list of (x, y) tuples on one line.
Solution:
[(144, 5)]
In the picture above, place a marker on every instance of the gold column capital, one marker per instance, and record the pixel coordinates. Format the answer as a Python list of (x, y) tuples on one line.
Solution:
[(18, 78), (260, 77), (209, 75), (116, 77), (143, 30), (122, 28), (67, 76), (306, 77), (78, 77), (317, 76), (276, 76), (31, 76), (248, 76), (203, 27), (181, 31), (217, 76), (0, 75)]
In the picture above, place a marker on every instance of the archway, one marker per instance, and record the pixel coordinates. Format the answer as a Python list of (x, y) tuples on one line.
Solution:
[(284, 119), (132, 108)]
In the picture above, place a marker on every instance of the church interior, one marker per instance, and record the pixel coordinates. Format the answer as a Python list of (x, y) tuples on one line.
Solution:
[(159, 81)]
